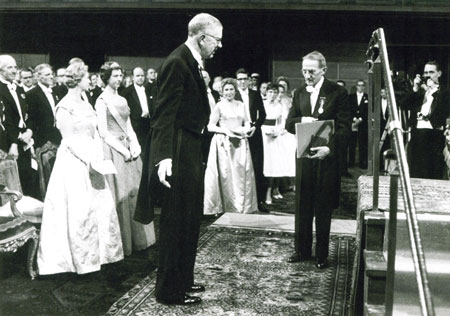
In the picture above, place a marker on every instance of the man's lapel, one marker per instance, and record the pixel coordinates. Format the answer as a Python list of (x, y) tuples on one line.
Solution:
[(322, 100), (4, 90), (136, 98), (305, 102), (435, 102), (44, 99)]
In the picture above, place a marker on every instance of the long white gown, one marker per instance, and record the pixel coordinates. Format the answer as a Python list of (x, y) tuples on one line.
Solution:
[(80, 228), (229, 178)]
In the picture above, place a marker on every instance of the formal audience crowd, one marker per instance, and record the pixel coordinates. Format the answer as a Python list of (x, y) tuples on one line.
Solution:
[(100, 121)]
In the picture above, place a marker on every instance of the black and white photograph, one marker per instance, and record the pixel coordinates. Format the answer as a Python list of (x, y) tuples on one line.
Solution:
[(224, 157)]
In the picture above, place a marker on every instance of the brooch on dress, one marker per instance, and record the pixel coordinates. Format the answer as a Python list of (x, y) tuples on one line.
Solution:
[(321, 104)]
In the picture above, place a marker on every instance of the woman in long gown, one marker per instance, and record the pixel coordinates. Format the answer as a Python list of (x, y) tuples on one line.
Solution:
[(279, 146), (122, 147), (80, 228), (229, 178)]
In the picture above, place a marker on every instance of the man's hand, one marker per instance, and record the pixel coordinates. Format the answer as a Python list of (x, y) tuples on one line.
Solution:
[(14, 151), (320, 152), (308, 119), (251, 131), (26, 137), (165, 170)]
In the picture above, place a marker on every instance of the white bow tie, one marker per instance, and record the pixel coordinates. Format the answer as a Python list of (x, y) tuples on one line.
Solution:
[(312, 89), (12, 86)]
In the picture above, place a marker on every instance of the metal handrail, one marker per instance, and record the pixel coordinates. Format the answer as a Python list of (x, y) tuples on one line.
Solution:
[(377, 48)]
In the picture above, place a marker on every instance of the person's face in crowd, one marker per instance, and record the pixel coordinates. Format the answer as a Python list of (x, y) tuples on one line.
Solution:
[(431, 72), (272, 94), (138, 77), (45, 77), (60, 75), (116, 79), (383, 93), (9, 69), (228, 92), (255, 81), (210, 41), (151, 74), (263, 88), (312, 72), (283, 84), (217, 84), (360, 86), (27, 78), (127, 81), (93, 79), (206, 78), (85, 82), (281, 90), (242, 81)]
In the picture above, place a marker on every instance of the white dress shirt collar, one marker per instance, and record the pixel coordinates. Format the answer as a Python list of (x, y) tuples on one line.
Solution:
[(45, 89), (195, 54)]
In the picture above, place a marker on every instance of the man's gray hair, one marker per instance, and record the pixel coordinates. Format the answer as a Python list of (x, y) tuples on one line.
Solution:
[(41, 67), (316, 55), (4, 60), (201, 22)]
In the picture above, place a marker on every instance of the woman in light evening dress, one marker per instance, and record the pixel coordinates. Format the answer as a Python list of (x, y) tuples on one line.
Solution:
[(122, 147), (229, 178), (279, 146), (80, 228)]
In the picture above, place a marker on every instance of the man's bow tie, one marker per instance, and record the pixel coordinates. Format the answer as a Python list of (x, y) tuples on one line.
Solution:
[(312, 89), (12, 86)]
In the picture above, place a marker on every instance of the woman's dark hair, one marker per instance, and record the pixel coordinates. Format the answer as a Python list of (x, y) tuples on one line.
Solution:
[(107, 69), (273, 86)]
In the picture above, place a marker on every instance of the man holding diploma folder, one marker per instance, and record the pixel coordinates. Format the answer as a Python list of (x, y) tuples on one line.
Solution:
[(318, 176)]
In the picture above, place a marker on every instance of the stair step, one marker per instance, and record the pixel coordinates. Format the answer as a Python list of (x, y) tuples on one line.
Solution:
[(375, 264), (374, 310), (374, 223)]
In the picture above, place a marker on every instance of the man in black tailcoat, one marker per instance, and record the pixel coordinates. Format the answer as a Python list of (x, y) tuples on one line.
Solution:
[(359, 105), (317, 180), (429, 104), (181, 114), (19, 135), (254, 103), (139, 103), (41, 108)]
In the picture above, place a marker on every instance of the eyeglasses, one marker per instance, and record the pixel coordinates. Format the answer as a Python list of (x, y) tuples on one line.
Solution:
[(217, 39), (311, 71), (241, 79)]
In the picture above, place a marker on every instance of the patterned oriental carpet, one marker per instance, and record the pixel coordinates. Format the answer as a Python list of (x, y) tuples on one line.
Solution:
[(246, 273)]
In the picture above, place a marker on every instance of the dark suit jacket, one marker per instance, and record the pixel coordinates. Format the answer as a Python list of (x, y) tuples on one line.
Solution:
[(181, 103), (360, 110), (439, 110), (41, 119), (12, 117), (60, 92), (335, 108), (94, 94), (141, 125)]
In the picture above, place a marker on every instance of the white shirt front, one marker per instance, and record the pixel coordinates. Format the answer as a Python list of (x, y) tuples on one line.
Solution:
[(212, 101), (246, 101), (359, 96), (384, 107), (425, 110), (142, 96), (314, 93), (49, 96)]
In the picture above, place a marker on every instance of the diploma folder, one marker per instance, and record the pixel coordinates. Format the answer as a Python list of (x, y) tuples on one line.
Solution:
[(312, 134)]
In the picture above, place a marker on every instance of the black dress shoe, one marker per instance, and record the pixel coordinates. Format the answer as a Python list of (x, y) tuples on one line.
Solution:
[(196, 288), (296, 257), (185, 300), (263, 208), (322, 263)]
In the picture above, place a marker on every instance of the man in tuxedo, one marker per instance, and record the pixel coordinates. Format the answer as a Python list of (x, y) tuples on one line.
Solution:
[(181, 114), (41, 108), (151, 78), (60, 89), (139, 104), (317, 178), (359, 103), (94, 90), (429, 106), (254, 103), (19, 135), (26, 79)]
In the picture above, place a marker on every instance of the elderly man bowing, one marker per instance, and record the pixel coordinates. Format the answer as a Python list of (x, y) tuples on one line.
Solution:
[(181, 114), (318, 194)]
